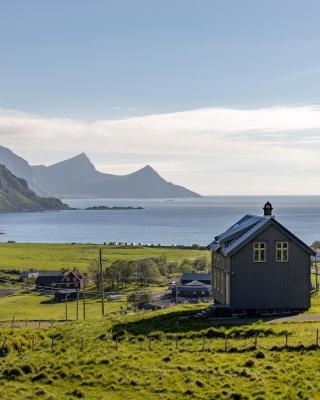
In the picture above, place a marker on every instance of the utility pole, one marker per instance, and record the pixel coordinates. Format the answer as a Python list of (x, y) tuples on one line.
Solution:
[(102, 283), (316, 271)]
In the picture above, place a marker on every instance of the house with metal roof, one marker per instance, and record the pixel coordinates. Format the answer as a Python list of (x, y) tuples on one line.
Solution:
[(194, 289), (258, 264), (204, 277)]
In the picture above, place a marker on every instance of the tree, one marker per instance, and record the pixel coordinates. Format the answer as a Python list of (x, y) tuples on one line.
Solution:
[(139, 298), (201, 263), (186, 266), (94, 273), (112, 275), (147, 272)]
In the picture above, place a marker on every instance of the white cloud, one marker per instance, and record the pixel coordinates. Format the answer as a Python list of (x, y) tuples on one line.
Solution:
[(214, 150)]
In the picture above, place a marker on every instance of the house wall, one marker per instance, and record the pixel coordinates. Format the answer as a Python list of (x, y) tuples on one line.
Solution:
[(270, 284), (220, 281)]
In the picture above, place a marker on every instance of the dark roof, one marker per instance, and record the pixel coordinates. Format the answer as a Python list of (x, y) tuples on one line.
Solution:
[(196, 284), (196, 276), (239, 234), (48, 280), (50, 273), (79, 275)]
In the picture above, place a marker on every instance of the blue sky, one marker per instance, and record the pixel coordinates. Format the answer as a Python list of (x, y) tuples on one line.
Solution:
[(87, 59), (125, 80)]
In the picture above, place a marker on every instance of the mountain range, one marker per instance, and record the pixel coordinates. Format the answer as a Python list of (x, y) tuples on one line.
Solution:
[(15, 195), (77, 177)]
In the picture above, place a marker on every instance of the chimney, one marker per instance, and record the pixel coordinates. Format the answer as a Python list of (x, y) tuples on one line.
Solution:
[(267, 209)]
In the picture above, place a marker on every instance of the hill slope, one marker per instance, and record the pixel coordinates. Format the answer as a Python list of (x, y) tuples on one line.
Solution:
[(15, 195), (77, 177), (19, 167)]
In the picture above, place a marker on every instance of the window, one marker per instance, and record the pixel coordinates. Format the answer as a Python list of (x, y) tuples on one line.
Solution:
[(282, 251), (259, 252)]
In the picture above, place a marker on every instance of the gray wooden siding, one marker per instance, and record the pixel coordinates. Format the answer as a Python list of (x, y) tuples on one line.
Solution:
[(220, 267), (270, 284)]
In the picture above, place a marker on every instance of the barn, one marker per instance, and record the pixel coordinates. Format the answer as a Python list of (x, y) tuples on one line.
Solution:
[(258, 264)]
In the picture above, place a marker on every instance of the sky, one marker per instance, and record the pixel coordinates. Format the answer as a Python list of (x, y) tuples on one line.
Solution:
[(220, 96)]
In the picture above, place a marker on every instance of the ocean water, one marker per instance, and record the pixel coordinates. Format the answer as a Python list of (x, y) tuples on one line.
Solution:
[(181, 221)]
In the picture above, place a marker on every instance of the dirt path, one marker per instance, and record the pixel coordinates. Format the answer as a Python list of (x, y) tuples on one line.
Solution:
[(295, 318)]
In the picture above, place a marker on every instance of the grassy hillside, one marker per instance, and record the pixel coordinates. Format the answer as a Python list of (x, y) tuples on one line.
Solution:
[(56, 256), (187, 359)]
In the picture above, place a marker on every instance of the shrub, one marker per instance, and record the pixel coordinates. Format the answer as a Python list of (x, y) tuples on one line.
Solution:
[(188, 392), (249, 363), (199, 383), (260, 354), (27, 369), (12, 373), (39, 377), (103, 336), (40, 392), (78, 393), (105, 361)]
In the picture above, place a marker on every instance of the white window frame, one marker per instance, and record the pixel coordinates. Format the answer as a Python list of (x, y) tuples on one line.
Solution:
[(283, 247), (259, 247)]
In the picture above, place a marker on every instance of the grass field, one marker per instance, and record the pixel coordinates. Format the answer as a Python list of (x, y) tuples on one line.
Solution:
[(40, 308), (187, 359), (57, 256)]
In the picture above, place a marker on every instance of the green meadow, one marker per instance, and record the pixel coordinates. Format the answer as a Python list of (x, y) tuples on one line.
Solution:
[(166, 354), (57, 256), (160, 355)]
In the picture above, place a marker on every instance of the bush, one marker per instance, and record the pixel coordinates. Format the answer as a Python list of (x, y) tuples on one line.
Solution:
[(12, 373), (139, 298), (39, 377), (249, 363), (199, 383), (78, 393), (260, 354), (27, 369)]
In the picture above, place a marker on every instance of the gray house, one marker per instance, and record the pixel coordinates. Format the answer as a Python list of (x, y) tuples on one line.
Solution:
[(257, 264)]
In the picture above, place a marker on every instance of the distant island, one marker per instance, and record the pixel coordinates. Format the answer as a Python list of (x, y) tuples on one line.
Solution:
[(99, 208), (77, 178)]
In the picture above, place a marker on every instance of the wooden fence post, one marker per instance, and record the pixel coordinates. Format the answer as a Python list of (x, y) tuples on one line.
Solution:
[(66, 301), (203, 342), (12, 322), (256, 341), (317, 337), (77, 306), (84, 305), (286, 336)]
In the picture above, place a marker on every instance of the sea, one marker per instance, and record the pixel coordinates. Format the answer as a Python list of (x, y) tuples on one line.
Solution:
[(161, 221)]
